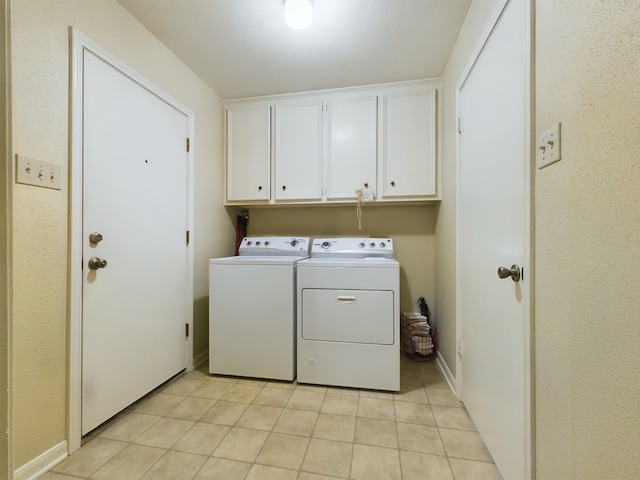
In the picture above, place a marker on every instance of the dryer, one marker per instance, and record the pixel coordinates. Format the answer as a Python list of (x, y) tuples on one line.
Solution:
[(252, 308), (348, 314)]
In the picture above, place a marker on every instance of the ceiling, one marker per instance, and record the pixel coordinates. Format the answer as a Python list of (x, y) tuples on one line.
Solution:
[(242, 48)]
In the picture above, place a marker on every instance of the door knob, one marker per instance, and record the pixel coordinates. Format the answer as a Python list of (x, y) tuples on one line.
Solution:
[(513, 272), (95, 263), (95, 238)]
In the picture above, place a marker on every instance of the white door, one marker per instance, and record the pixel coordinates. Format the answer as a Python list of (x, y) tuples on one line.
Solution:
[(135, 196), (494, 232)]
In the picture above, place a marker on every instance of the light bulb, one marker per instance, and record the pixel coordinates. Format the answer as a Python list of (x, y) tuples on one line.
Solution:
[(298, 14)]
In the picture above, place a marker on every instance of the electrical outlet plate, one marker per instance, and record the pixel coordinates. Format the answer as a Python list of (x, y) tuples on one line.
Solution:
[(30, 171), (548, 147)]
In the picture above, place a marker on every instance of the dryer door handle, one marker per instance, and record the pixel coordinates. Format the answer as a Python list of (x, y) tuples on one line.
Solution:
[(346, 299)]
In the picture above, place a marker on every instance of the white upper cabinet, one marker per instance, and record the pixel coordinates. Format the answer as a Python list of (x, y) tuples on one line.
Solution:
[(248, 153), (327, 146), (408, 145), (298, 151), (351, 146)]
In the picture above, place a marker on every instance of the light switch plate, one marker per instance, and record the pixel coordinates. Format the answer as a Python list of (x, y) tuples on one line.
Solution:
[(37, 172), (548, 147)]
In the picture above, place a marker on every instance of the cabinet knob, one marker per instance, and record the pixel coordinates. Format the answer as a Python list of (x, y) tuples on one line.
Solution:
[(284, 187), (259, 187), (393, 184), (366, 185)]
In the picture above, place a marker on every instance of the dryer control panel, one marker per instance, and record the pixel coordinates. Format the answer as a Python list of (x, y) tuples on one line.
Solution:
[(350, 247)]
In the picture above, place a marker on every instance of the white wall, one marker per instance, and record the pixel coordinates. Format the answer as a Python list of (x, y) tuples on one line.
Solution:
[(588, 241), (40, 124)]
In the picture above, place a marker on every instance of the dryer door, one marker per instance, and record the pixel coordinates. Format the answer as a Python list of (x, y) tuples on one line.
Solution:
[(354, 316)]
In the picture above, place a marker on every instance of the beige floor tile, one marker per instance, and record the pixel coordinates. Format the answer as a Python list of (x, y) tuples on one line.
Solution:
[(411, 393), (91, 457), (214, 390), (376, 408), (375, 463), (242, 393), (408, 412), (340, 404), (130, 464), (313, 476), (296, 422), (223, 469), (335, 427), (328, 457), (282, 384), (419, 438), (441, 396), (464, 444), (434, 380), (418, 466), (176, 466), (164, 433), (241, 444), (184, 385), (282, 450), (262, 472), (354, 392), (58, 476), (312, 388), (224, 413), (223, 378), (377, 394), (410, 378), (199, 373), (129, 426), (381, 433), (306, 400), (428, 367), (159, 404), (273, 397), (471, 470), (202, 438), (452, 417), (408, 365), (259, 417), (252, 381), (192, 408)]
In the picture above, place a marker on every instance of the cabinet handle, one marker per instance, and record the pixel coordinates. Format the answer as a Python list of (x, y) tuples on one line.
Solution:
[(393, 184), (284, 187), (366, 185), (259, 187)]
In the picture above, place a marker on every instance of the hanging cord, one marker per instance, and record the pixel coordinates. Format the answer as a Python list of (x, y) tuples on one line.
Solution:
[(359, 208)]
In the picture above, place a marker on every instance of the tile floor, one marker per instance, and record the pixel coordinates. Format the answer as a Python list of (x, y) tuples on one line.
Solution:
[(203, 427)]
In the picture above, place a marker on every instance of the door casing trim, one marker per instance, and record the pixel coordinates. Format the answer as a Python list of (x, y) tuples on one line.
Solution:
[(79, 43)]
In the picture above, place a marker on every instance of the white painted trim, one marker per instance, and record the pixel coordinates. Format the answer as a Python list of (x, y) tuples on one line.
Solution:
[(42, 463), (451, 380), (200, 359), (80, 43), (527, 283)]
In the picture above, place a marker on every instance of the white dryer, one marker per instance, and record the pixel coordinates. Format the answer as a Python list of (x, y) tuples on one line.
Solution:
[(348, 314), (252, 308)]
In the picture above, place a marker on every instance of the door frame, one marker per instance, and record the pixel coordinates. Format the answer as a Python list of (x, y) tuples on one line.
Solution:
[(528, 214), (80, 43)]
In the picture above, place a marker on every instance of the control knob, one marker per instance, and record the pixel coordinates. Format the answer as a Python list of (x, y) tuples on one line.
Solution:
[(293, 242), (325, 244)]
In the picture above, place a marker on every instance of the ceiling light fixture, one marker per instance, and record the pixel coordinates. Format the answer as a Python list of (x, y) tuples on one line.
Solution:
[(298, 13)]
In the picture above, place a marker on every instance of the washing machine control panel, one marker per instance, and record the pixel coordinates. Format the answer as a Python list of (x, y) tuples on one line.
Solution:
[(352, 247), (272, 246)]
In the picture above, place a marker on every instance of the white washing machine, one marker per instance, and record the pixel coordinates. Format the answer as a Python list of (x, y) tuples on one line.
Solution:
[(348, 314), (252, 308)]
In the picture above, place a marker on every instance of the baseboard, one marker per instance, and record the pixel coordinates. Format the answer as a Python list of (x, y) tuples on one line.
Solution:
[(42, 463), (200, 359), (451, 380)]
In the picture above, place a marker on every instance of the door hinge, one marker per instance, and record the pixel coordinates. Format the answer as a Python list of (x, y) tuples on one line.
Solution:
[(186, 330), (188, 145), (459, 125), (187, 238)]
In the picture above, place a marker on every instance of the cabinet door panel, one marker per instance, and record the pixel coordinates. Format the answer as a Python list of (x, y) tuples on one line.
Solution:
[(351, 146), (248, 153), (298, 152), (409, 145)]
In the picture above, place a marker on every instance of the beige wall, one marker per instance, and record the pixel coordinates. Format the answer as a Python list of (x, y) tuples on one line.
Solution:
[(445, 231), (588, 241), (410, 227), (40, 42)]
